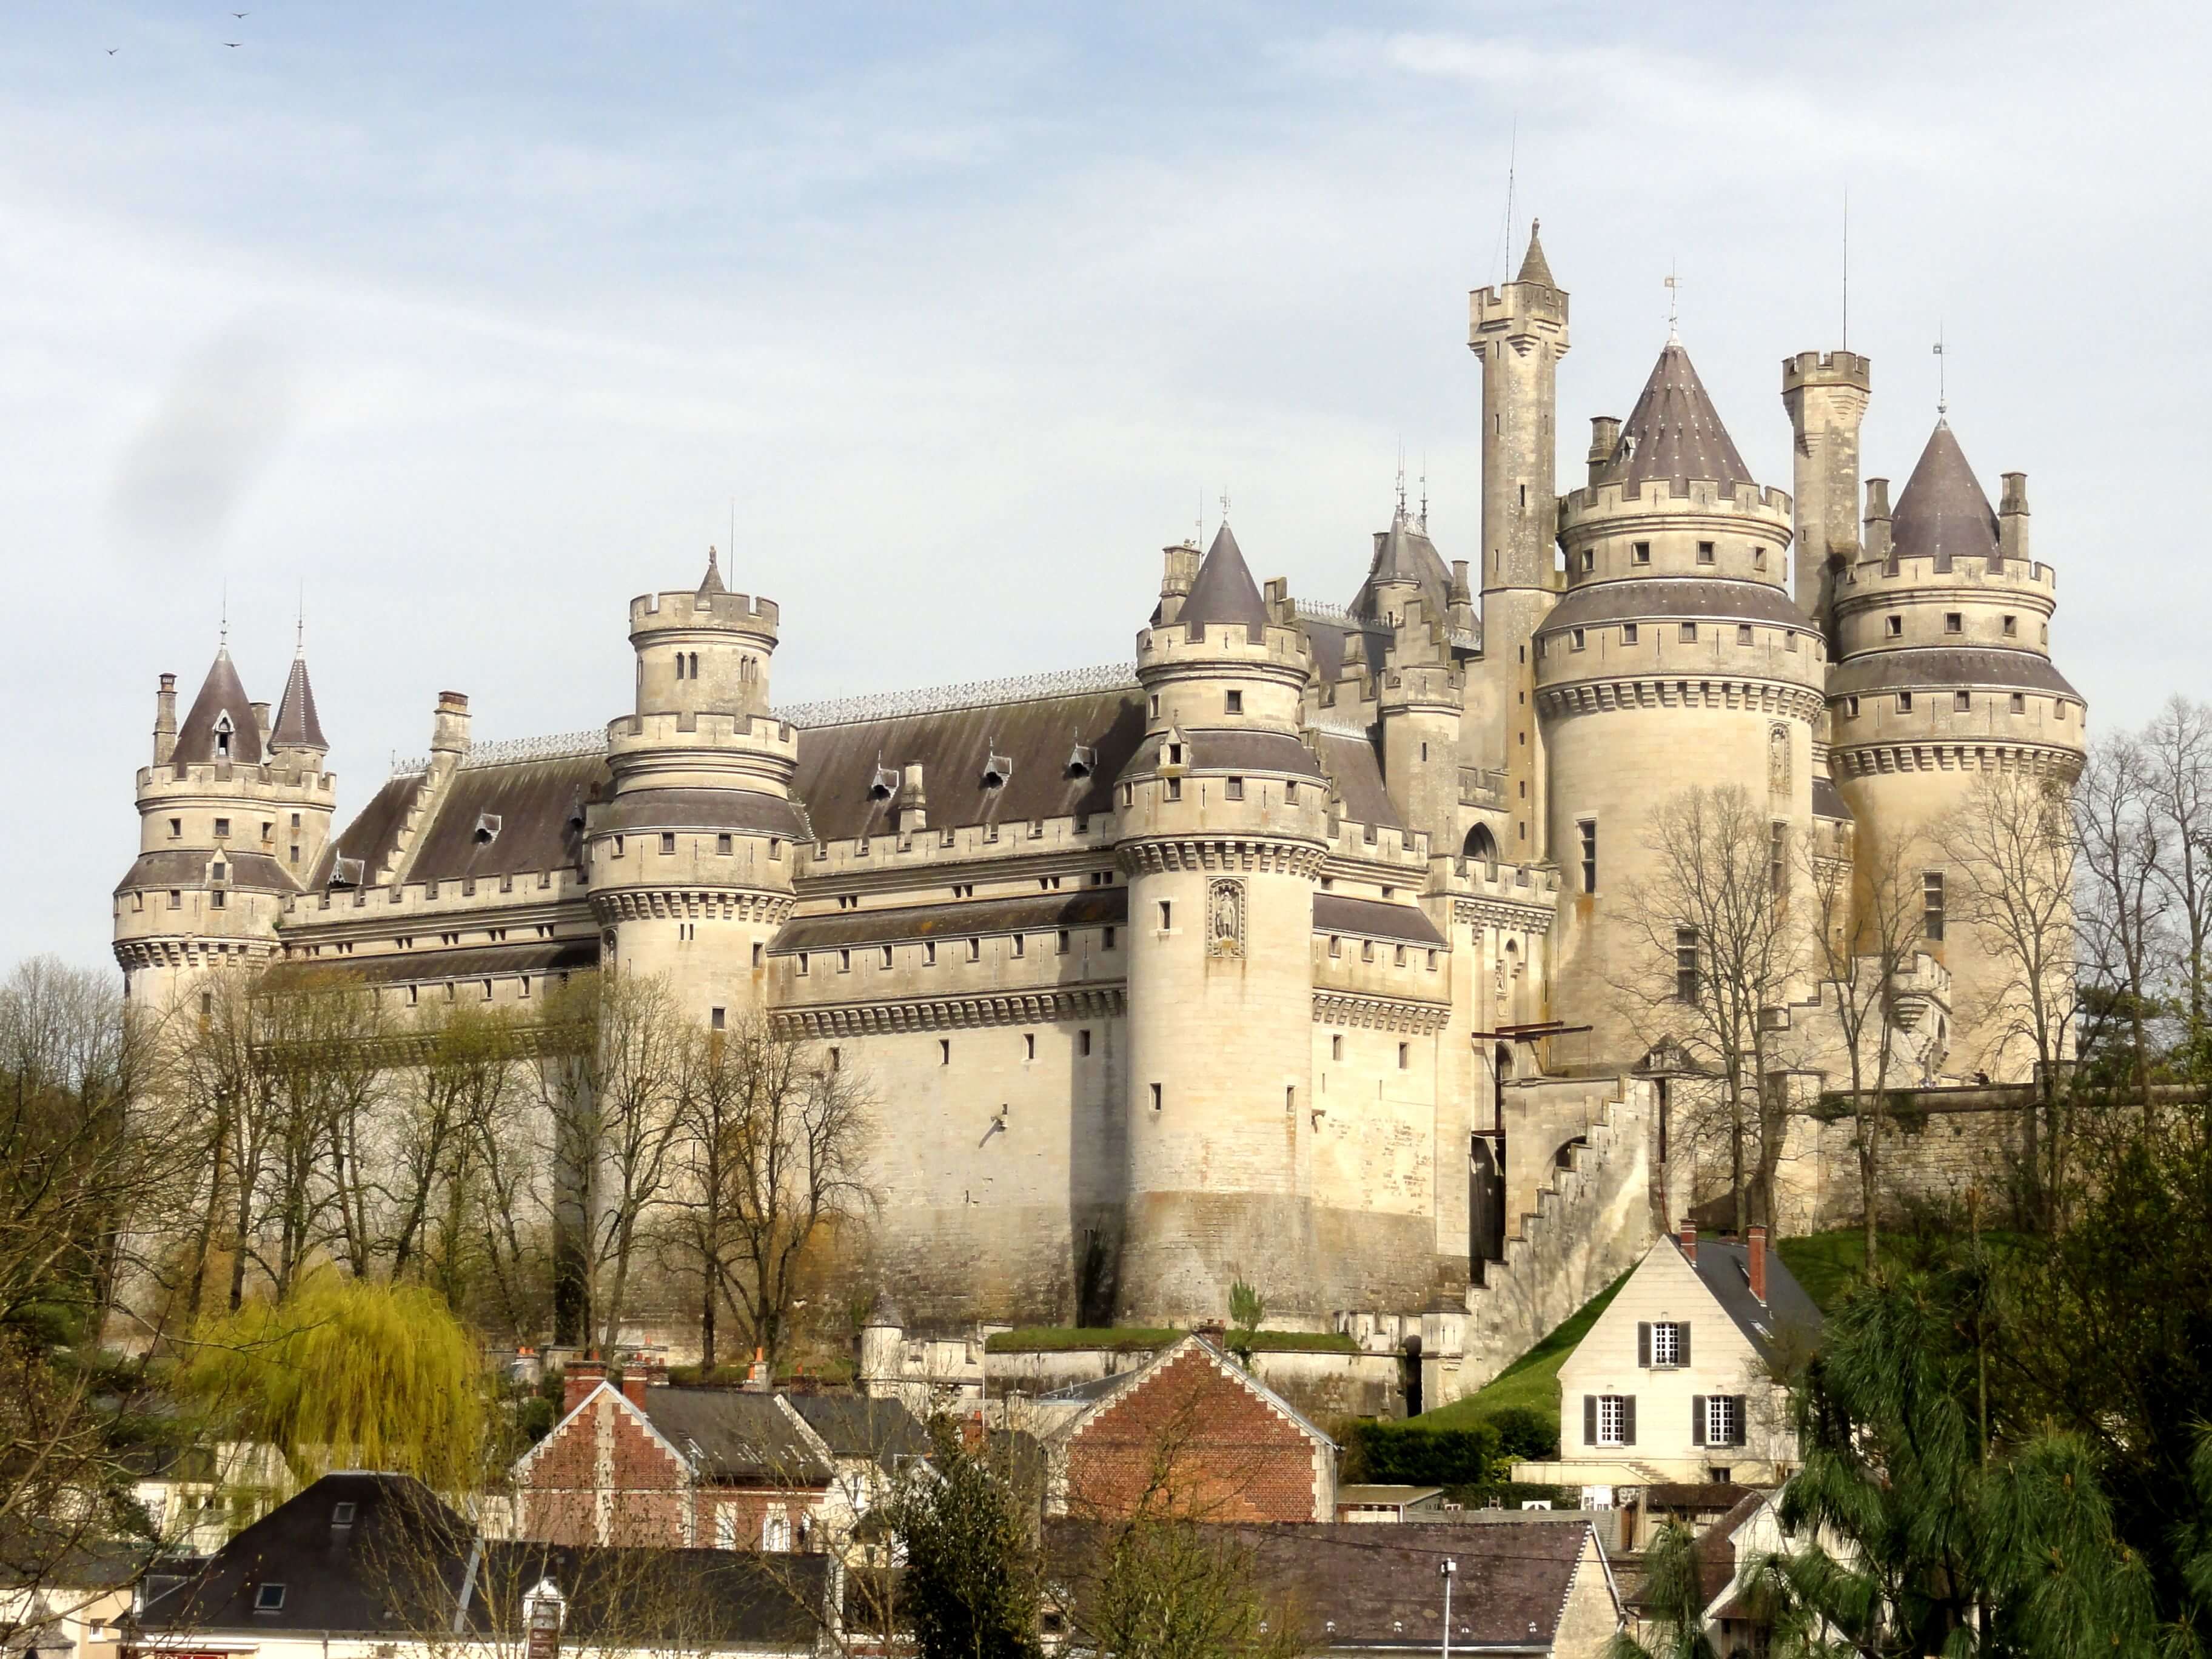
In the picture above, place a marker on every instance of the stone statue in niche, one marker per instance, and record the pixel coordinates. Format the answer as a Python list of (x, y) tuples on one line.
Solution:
[(1777, 759), (1224, 919)]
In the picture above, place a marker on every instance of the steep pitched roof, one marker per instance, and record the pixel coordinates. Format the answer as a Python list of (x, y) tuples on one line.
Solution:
[(712, 581), (298, 725), (1404, 553), (1225, 591), (1943, 513), (1724, 1269), (1674, 434), (731, 1435), (1535, 268), (223, 695)]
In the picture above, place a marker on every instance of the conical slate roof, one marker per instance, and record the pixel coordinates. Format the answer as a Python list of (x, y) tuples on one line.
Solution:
[(1942, 514), (1534, 268), (1225, 591), (1404, 553), (1674, 433), (221, 701), (298, 725)]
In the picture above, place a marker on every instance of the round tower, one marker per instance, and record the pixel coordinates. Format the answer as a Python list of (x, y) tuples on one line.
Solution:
[(233, 818), (1827, 394), (1676, 659), (1945, 677), (1519, 332), (1223, 825), (692, 853)]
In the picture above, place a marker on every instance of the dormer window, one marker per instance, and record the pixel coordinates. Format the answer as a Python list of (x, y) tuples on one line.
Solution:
[(1083, 760), (1174, 754), (269, 1598), (487, 830), (222, 730), (884, 784), (997, 768), (342, 1515), (218, 871)]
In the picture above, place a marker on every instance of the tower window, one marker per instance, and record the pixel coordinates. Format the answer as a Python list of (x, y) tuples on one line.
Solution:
[(1743, 633), (1686, 964), (1336, 1045), (1235, 788), (1290, 794), (1586, 829), (1175, 788), (221, 828), (1335, 944), (929, 953), (944, 1051), (1788, 639), (1060, 941), (2019, 702), (176, 829), (1578, 641), (1029, 1045), (668, 844), (774, 847), (1404, 1056), (803, 964), (975, 949), (1758, 558), (2012, 628), (680, 665), (695, 664), (1640, 552), (1589, 560), (723, 845), (1705, 552), (215, 899), (1167, 915), (1398, 956), (1156, 1097), (1962, 702), (1954, 621), (1017, 945), (1778, 858), (884, 960), (1931, 905), (1892, 627), (1628, 633), (760, 953), (1689, 634), (844, 962), (1904, 702), (1236, 702), (1106, 939), (1083, 1041), (176, 900), (1851, 707)]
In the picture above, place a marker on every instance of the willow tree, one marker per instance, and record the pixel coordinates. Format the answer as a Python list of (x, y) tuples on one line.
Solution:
[(345, 1373)]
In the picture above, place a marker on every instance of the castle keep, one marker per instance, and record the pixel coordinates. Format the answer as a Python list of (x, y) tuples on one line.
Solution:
[(1288, 951)]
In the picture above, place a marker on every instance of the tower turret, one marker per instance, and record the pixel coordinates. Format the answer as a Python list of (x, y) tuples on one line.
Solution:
[(1944, 630), (1519, 331), (692, 854), (229, 824), (1827, 394), (1676, 638), (1222, 830)]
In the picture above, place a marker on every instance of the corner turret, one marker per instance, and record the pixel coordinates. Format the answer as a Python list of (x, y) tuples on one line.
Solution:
[(1827, 394)]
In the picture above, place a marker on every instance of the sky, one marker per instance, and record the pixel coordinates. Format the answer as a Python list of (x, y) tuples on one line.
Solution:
[(459, 325)]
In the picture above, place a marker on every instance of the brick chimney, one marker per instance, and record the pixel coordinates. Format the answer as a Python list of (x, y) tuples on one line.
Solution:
[(581, 1376), (757, 1381), (1755, 1254), (1690, 1239)]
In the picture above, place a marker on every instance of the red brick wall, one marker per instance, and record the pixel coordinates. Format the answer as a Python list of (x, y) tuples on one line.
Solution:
[(1190, 1439)]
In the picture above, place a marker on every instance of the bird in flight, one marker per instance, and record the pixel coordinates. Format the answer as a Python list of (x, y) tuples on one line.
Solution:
[(242, 13), (234, 43), (112, 50)]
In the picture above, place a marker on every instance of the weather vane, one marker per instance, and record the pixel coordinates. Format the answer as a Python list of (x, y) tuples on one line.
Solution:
[(1673, 294), (1942, 378)]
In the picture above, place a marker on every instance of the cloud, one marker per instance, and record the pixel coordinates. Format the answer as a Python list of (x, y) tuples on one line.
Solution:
[(219, 426)]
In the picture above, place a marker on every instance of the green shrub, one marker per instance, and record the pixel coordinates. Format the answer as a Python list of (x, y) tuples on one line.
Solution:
[(1391, 1454), (1525, 1434)]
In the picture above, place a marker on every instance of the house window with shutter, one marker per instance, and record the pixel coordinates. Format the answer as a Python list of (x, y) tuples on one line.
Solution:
[(1664, 1343), (1609, 1419), (1716, 1420)]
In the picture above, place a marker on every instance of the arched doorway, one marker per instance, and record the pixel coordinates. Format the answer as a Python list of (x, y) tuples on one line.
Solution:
[(1481, 846)]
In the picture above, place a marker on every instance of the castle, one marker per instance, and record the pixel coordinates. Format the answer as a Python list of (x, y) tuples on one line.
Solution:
[(1287, 952)]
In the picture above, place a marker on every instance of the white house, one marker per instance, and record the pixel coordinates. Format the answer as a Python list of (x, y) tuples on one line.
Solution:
[(1684, 1377)]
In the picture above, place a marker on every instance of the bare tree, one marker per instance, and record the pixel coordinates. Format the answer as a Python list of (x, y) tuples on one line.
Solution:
[(564, 1077), (2120, 919), (632, 1122), (772, 1134), (2013, 841), (2177, 752), (1712, 945), (1865, 924), (462, 1076)]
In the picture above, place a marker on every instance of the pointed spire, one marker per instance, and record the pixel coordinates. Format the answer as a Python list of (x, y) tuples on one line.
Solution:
[(221, 726), (1404, 554), (713, 581), (1224, 590), (1943, 513), (298, 725), (1674, 432), (1534, 268)]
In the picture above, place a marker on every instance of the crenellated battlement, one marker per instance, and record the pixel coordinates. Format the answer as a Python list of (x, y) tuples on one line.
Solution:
[(1658, 500), (1826, 368), (1866, 581), (686, 611), (218, 783)]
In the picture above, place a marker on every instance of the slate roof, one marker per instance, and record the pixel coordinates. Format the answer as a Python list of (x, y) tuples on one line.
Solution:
[(1665, 598), (1232, 748), (1948, 667), (1828, 800), (1404, 553), (538, 803), (1038, 735), (1376, 1585), (1356, 769), (1224, 590), (1335, 912), (1942, 514), (476, 962), (298, 725), (733, 1436), (369, 839), (1089, 907), (1724, 1269), (221, 693), (860, 1425), (255, 872), (1674, 433), (407, 1564)]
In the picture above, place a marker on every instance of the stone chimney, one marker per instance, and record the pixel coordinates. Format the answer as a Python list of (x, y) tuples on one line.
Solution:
[(581, 1376), (261, 723), (2012, 520), (1755, 1255), (633, 1385), (1605, 436), (1690, 1238), (165, 720), (1877, 519)]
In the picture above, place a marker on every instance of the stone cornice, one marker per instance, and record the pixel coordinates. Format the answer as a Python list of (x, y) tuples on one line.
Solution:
[(1680, 691), (700, 903), (1380, 1013), (1158, 854), (133, 954), (1041, 1007), (1867, 760), (1501, 913)]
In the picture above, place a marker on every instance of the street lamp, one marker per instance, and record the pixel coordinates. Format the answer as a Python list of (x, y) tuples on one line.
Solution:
[(1448, 1568)]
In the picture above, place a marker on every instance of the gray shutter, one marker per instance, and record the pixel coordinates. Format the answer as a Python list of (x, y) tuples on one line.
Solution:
[(1643, 1344), (1742, 1422), (1590, 1419), (1683, 1344), (1628, 1421), (1697, 1420)]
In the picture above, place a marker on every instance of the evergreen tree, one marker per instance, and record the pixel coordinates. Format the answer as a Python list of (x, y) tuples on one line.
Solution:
[(972, 1582)]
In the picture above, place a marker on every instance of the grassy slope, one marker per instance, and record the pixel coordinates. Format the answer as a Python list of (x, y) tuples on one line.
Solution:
[(1533, 1380), (1824, 1264)]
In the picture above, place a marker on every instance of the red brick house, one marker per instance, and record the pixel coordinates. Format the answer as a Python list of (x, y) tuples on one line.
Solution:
[(701, 1468), (1192, 1433)]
